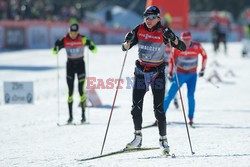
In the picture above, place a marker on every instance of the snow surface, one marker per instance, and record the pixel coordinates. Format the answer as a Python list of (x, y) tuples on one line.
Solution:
[(29, 135)]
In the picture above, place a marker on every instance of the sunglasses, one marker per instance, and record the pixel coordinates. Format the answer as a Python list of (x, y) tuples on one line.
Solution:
[(152, 8), (151, 17), (73, 32)]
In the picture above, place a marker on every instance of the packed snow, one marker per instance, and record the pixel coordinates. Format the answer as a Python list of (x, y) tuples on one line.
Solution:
[(29, 135)]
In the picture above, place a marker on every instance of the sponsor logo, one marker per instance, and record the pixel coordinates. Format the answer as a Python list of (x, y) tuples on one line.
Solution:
[(190, 53), (147, 36), (73, 43), (150, 48)]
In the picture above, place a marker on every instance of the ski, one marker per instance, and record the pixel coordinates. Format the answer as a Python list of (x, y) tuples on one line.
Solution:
[(160, 156), (72, 124), (155, 124), (66, 124), (120, 152), (82, 123), (192, 126)]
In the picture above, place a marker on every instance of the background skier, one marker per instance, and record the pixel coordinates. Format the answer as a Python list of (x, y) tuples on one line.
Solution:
[(75, 43)]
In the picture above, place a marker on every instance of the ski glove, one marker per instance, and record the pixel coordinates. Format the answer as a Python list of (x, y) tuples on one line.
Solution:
[(129, 36), (54, 51), (201, 73), (168, 33), (92, 47), (57, 43), (56, 47)]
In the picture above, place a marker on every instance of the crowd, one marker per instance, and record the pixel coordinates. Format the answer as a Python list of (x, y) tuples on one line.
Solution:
[(52, 10)]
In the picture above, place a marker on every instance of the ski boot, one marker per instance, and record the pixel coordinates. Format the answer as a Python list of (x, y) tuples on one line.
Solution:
[(136, 142), (191, 123), (164, 145), (70, 120), (176, 104), (83, 120), (83, 105)]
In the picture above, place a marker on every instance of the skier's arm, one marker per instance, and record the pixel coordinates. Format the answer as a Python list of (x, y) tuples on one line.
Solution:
[(180, 44), (204, 58), (204, 61), (59, 44), (130, 39), (168, 34), (92, 46)]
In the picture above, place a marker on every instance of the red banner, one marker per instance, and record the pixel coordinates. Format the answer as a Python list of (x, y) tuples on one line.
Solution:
[(175, 11)]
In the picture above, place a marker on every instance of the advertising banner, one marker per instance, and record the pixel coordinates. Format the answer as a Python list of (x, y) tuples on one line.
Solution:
[(18, 92), (14, 38), (1, 37), (112, 38), (57, 32), (98, 37), (37, 37)]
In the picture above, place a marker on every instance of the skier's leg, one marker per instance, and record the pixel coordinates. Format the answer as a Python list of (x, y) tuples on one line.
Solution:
[(217, 43), (225, 43), (173, 90), (214, 43), (158, 89), (81, 89), (70, 83), (170, 95), (191, 85), (83, 97), (139, 91)]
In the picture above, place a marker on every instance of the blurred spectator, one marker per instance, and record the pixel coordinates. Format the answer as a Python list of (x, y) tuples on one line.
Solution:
[(220, 28), (167, 19), (247, 16), (108, 16), (52, 10), (246, 37), (3, 9)]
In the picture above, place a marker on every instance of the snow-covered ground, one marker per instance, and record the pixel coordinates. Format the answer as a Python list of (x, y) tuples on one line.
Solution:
[(29, 135)]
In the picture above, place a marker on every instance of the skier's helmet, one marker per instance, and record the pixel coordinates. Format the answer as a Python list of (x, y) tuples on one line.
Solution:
[(73, 28), (152, 10), (186, 36)]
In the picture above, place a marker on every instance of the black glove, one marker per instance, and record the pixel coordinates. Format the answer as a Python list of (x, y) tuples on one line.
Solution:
[(91, 47), (57, 43), (201, 73), (168, 33), (129, 36), (170, 77)]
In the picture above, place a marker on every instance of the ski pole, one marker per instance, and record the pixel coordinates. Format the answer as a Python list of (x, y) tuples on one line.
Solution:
[(117, 88), (209, 81), (58, 97), (87, 74), (179, 90)]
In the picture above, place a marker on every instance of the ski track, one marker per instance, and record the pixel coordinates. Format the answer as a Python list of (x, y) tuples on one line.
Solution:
[(29, 135)]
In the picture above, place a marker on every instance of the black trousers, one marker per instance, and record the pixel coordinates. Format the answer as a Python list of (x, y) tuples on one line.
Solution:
[(220, 37), (158, 90), (75, 67)]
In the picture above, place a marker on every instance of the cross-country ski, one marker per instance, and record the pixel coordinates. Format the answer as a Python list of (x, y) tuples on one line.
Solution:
[(120, 152)]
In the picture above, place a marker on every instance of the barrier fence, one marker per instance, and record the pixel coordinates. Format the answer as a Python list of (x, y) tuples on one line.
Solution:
[(42, 34)]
